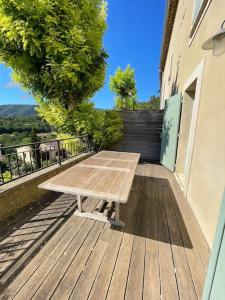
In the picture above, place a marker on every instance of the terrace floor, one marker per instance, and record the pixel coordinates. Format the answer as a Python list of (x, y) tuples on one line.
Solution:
[(161, 252)]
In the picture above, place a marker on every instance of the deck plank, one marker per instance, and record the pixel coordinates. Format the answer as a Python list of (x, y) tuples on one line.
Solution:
[(77, 232), (118, 283), (87, 278), (151, 274), (67, 261), (70, 278), (194, 260), (184, 279), (194, 229), (160, 254), (134, 286), (30, 244), (167, 273), (33, 284), (24, 276), (103, 278)]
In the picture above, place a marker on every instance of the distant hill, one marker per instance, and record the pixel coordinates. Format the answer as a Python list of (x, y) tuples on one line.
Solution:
[(22, 110), (17, 110)]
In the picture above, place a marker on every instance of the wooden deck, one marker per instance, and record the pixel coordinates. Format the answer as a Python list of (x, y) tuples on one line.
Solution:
[(160, 253)]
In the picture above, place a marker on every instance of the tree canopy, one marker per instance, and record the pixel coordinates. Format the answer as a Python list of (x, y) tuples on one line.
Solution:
[(21, 124), (103, 127), (123, 85), (56, 52), (152, 104), (55, 47)]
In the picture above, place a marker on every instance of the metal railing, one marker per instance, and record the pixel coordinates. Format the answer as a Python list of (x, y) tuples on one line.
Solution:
[(21, 160)]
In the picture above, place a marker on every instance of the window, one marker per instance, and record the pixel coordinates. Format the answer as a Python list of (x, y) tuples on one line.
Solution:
[(197, 8)]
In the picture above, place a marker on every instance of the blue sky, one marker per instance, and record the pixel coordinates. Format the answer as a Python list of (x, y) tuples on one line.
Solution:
[(133, 37)]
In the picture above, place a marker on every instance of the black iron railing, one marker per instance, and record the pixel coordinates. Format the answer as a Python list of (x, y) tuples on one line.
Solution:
[(21, 160)]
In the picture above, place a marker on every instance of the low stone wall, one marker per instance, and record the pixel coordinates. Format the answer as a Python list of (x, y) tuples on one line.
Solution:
[(18, 194)]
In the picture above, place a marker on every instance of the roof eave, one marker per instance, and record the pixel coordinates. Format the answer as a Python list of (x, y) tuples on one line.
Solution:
[(171, 10)]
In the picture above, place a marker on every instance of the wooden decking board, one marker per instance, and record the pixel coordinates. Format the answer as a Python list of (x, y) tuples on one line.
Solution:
[(103, 279), (66, 263), (152, 288), (30, 243), (134, 287), (87, 278), (118, 283), (194, 260), (70, 278), (34, 283), (24, 276), (196, 235), (156, 256), (167, 273), (184, 279), (27, 273)]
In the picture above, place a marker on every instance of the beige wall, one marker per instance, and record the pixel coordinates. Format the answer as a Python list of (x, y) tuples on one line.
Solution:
[(207, 172)]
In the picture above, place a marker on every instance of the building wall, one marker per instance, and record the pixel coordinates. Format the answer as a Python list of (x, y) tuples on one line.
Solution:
[(207, 170)]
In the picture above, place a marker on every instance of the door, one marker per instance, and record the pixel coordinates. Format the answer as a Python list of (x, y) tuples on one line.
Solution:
[(215, 280), (169, 137)]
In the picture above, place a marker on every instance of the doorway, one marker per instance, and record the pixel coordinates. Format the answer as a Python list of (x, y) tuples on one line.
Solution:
[(185, 124), (188, 124)]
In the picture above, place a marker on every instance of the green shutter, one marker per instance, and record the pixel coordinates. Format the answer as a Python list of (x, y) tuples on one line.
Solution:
[(197, 7), (171, 124), (215, 280)]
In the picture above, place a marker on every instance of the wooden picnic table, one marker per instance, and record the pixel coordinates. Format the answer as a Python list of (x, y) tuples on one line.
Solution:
[(107, 175)]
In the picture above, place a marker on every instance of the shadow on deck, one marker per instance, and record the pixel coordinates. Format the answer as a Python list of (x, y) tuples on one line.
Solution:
[(160, 253)]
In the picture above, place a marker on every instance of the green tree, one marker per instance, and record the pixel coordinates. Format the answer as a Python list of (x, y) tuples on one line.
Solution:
[(152, 104), (102, 127), (123, 85), (55, 47), (33, 135)]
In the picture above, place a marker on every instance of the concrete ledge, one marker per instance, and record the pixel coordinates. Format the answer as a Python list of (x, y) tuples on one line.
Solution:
[(18, 194)]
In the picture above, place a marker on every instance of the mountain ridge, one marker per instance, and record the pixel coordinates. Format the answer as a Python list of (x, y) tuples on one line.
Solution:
[(17, 110)]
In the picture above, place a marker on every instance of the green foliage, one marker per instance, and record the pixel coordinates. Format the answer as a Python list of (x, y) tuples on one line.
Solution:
[(33, 136), (123, 85), (103, 127), (111, 129), (7, 176), (55, 47), (18, 167), (152, 104), (15, 138), (58, 116), (21, 124)]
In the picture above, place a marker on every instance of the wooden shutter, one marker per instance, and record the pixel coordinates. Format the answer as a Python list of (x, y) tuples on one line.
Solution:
[(169, 137), (215, 280)]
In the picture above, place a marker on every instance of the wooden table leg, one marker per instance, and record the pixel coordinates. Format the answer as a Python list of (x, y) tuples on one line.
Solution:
[(79, 202), (99, 216), (117, 212)]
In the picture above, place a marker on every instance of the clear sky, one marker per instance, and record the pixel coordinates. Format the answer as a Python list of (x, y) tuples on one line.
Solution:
[(133, 37)]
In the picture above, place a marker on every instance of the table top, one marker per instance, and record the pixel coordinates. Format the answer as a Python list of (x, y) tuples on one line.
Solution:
[(107, 175)]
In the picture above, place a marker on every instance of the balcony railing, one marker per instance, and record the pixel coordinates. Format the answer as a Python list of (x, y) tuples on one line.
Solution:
[(21, 160)]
